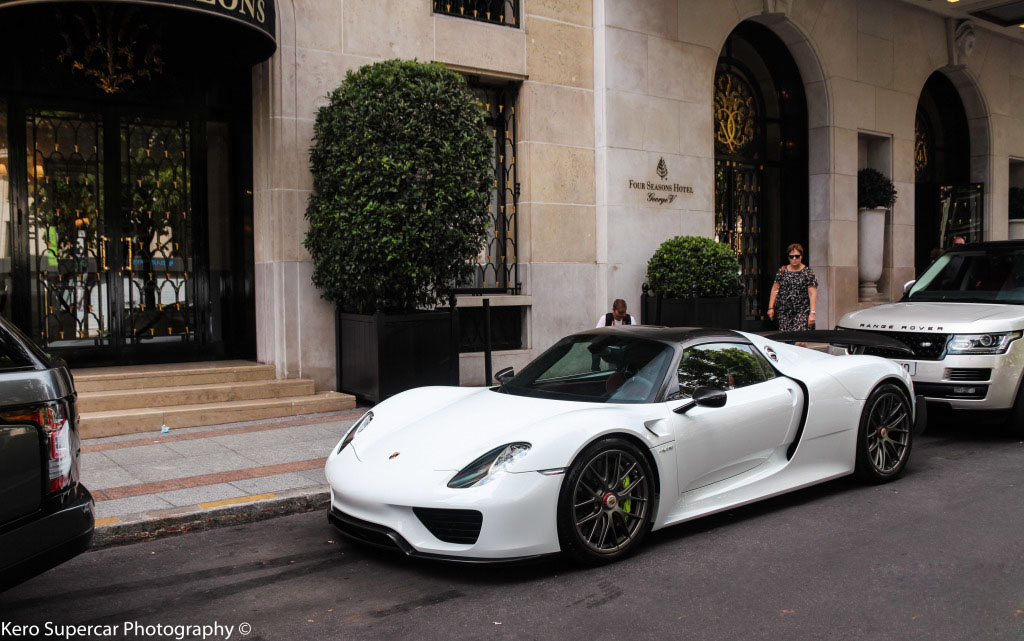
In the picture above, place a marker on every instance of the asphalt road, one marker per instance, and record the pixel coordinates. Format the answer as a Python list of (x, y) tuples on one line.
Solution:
[(936, 555)]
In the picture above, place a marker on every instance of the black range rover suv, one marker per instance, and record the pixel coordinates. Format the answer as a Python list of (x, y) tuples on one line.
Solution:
[(46, 514)]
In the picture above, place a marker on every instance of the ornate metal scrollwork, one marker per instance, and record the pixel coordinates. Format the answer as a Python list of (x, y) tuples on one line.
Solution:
[(735, 113), (921, 144), (112, 46), (497, 267)]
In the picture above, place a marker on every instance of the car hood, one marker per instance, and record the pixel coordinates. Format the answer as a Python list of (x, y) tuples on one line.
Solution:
[(936, 317), (461, 425)]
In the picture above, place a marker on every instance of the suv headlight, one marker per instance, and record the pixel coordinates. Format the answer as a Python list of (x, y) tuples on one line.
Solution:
[(487, 466), (996, 343), (357, 427)]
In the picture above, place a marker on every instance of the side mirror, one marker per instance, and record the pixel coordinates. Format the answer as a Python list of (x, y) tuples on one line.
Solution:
[(504, 375), (705, 397), (907, 285)]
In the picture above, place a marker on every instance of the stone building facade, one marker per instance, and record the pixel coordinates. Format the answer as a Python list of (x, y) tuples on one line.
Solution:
[(616, 109), (618, 124)]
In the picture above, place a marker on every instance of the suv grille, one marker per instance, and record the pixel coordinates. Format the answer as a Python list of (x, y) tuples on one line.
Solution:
[(451, 526), (927, 347)]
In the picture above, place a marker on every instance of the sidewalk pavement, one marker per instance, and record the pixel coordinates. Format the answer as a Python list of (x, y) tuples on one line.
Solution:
[(151, 485)]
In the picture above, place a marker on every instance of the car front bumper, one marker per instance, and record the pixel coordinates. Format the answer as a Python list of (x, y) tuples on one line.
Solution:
[(987, 382), (369, 504)]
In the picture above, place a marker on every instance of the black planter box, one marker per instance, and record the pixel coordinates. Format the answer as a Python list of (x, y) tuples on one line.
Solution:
[(720, 313), (380, 355)]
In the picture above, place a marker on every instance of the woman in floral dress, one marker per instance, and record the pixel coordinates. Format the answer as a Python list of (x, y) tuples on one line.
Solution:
[(795, 293)]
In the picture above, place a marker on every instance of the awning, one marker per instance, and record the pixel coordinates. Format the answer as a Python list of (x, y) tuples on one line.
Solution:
[(256, 19)]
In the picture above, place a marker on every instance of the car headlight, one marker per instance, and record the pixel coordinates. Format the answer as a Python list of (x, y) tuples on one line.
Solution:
[(357, 427), (996, 343), (494, 462)]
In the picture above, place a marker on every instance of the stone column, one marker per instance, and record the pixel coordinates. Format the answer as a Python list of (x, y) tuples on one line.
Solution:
[(294, 326)]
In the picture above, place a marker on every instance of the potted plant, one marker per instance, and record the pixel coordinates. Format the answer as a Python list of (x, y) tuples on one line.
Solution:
[(1016, 213), (695, 283), (401, 185), (875, 195)]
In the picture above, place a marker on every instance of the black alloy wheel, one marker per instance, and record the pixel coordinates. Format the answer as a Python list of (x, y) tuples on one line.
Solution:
[(606, 503), (886, 434)]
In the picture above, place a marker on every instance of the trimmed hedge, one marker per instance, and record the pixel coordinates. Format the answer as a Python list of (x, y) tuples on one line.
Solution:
[(402, 176), (874, 189), (683, 262)]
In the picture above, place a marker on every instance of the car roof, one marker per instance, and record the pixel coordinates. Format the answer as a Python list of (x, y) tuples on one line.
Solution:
[(672, 335)]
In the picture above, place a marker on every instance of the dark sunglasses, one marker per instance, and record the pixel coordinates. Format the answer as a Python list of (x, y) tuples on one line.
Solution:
[(792, 256)]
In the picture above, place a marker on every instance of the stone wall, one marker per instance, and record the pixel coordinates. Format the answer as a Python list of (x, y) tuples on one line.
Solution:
[(552, 57), (863, 64), (608, 89)]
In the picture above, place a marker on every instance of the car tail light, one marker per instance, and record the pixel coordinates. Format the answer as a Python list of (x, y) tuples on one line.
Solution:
[(53, 420)]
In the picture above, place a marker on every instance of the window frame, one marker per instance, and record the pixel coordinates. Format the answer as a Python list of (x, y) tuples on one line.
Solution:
[(496, 268)]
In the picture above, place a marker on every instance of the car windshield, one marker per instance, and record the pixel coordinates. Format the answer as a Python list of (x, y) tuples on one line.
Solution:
[(973, 276), (599, 368)]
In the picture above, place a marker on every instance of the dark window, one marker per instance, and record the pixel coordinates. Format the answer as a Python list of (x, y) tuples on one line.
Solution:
[(497, 270), (506, 328), (723, 366), (503, 12)]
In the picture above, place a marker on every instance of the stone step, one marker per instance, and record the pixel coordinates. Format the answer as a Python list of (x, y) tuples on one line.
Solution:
[(151, 397), (100, 379), (133, 421)]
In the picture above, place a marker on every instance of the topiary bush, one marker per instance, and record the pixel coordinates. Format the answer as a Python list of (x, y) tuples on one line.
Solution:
[(683, 262), (1016, 209), (401, 164), (874, 189)]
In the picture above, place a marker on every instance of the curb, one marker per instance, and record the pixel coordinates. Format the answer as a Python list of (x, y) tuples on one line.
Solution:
[(158, 524)]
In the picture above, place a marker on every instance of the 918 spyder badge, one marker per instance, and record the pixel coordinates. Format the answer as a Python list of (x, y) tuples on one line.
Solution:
[(394, 456)]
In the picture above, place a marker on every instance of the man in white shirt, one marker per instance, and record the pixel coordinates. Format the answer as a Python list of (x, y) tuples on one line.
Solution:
[(617, 316)]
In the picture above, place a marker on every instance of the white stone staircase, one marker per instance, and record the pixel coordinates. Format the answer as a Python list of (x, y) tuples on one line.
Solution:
[(140, 398)]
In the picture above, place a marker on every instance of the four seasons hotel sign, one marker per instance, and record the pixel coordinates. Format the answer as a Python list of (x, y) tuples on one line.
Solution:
[(663, 192)]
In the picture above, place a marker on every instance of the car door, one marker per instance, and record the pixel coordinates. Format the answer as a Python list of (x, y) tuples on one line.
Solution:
[(759, 419)]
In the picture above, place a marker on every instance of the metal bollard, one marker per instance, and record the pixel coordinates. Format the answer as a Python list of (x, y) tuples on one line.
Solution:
[(487, 342)]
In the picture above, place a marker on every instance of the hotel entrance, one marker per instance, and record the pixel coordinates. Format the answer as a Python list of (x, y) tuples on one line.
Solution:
[(761, 201), (125, 183)]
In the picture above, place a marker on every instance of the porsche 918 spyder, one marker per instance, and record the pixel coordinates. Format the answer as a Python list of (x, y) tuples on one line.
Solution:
[(609, 434)]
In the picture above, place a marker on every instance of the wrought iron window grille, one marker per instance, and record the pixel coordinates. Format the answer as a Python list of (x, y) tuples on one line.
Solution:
[(497, 269), (500, 12)]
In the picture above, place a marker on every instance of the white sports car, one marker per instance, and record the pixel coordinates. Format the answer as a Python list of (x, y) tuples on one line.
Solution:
[(611, 433)]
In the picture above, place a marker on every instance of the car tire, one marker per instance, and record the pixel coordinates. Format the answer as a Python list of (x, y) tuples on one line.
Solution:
[(607, 502), (886, 434)]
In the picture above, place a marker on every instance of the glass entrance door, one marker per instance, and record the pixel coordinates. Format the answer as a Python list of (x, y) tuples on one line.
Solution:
[(111, 253), (738, 223), (961, 214), (156, 262), (68, 235)]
